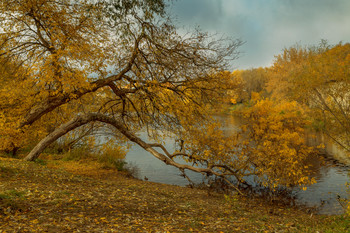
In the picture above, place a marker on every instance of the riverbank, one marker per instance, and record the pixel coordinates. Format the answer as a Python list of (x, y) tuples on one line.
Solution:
[(59, 196)]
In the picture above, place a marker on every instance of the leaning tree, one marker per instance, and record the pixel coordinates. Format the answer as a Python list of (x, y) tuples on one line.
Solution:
[(117, 63)]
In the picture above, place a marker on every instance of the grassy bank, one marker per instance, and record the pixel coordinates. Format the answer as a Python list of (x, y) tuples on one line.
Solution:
[(69, 196)]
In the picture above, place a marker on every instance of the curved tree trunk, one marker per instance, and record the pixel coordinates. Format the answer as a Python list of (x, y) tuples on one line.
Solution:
[(57, 133), (84, 119)]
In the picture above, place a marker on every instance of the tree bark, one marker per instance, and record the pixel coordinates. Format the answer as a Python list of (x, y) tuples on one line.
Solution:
[(55, 102), (84, 119), (56, 134)]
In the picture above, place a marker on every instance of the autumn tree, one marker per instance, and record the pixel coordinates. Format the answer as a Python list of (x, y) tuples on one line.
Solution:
[(120, 64), (273, 140), (9, 77), (318, 77), (252, 80), (116, 62)]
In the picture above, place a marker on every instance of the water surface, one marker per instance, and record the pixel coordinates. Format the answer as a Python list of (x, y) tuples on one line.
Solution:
[(331, 176)]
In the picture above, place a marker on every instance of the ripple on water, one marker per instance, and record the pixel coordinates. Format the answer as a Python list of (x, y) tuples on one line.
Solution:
[(328, 192)]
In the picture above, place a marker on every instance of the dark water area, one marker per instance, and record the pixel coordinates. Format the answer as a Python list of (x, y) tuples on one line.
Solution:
[(329, 191), (326, 195)]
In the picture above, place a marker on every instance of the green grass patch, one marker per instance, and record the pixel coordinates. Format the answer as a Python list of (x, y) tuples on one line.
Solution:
[(10, 194), (7, 171), (40, 161), (337, 224)]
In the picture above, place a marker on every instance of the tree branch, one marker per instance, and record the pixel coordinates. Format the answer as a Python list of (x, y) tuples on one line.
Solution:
[(84, 119)]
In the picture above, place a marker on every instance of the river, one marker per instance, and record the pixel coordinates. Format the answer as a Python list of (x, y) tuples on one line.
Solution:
[(331, 174)]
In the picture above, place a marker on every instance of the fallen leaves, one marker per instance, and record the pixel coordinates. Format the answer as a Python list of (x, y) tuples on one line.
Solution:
[(54, 200)]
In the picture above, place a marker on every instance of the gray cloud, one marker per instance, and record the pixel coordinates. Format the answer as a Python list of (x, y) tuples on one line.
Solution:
[(268, 26)]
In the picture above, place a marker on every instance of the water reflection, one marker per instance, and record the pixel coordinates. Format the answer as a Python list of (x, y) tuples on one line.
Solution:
[(331, 176), (329, 149), (330, 187), (154, 169)]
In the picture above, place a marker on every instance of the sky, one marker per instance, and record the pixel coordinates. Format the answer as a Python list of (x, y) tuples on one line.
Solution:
[(267, 26)]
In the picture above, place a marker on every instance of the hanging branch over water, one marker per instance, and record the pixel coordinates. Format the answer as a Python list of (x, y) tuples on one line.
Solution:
[(167, 158)]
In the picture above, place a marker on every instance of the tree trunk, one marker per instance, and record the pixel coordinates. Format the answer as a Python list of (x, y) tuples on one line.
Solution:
[(84, 119), (56, 134)]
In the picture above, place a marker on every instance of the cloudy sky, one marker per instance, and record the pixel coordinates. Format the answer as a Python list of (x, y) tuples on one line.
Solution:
[(267, 26)]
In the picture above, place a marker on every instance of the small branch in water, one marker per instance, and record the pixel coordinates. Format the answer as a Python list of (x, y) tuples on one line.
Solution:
[(233, 186), (188, 178), (342, 202)]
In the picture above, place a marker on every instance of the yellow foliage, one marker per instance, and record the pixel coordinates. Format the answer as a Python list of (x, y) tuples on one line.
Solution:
[(270, 145), (255, 96), (276, 142), (78, 57), (317, 77)]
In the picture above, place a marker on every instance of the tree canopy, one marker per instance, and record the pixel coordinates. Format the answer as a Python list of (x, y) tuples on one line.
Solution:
[(319, 78), (77, 64)]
